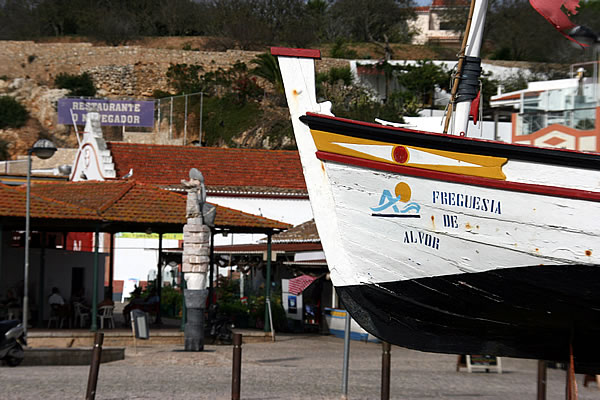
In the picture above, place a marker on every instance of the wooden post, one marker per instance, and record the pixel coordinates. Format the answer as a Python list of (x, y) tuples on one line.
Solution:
[(95, 366), (237, 366), (386, 357), (541, 380)]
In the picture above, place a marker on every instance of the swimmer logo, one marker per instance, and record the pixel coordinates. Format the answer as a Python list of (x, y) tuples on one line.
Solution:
[(402, 195)]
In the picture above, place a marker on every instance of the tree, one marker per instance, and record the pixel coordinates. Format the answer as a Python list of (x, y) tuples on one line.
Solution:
[(78, 85), (421, 79), (267, 68), (370, 20), (12, 113), (185, 78)]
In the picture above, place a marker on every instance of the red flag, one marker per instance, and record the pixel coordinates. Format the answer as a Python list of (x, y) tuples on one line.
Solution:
[(552, 10), (474, 111)]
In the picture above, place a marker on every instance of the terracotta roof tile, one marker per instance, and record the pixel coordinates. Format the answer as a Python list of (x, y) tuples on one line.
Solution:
[(120, 201), (305, 232), (13, 204), (222, 167)]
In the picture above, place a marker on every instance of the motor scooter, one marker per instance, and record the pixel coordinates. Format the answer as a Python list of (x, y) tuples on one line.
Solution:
[(218, 328), (12, 340)]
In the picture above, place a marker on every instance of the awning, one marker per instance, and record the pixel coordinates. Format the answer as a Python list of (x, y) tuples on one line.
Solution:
[(298, 284)]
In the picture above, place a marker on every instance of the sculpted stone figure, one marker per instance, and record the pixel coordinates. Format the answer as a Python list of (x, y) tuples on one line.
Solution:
[(196, 206)]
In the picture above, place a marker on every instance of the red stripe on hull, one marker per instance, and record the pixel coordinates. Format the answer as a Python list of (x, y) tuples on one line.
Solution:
[(469, 180), (300, 53)]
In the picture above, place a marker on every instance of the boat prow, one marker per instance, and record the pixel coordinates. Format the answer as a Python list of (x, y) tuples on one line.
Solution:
[(449, 244)]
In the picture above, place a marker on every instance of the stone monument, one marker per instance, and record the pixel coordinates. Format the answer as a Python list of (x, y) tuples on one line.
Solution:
[(196, 248)]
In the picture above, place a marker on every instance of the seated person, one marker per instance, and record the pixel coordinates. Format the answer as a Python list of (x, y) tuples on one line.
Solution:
[(55, 298), (57, 304)]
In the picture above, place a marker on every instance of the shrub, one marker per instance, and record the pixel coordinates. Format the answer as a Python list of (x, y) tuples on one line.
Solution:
[(78, 85), (12, 113), (185, 78)]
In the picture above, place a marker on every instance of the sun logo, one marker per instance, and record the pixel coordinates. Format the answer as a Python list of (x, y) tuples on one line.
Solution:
[(402, 194)]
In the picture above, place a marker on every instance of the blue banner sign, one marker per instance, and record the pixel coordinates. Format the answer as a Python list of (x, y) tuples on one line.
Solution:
[(112, 112)]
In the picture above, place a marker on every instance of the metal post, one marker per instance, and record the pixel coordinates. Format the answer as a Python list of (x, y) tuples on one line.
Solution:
[(40, 316), (268, 283), (211, 267), (158, 117), (346, 357), (27, 229), (201, 104), (183, 306), (271, 319), (185, 122), (236, 374), (94, 326), (111, 266), (385, 370), (541, 380), (90, 394), (171, 121), (158, 320)]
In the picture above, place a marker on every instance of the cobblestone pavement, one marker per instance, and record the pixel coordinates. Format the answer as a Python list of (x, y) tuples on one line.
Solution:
[(295, 367)]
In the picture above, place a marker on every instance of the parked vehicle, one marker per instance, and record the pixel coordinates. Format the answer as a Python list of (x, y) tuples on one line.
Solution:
[(218, 327), (12, 340)]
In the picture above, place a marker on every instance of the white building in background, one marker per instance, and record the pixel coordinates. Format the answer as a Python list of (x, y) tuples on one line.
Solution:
[(430, 26)]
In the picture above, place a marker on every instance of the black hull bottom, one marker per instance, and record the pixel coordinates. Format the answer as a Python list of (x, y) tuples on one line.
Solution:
[(527, 312)]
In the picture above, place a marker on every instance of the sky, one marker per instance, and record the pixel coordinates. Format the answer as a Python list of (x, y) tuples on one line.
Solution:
[(423, 2)]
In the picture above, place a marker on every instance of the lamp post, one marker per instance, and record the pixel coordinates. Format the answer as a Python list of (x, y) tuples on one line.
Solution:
[(43, 149)]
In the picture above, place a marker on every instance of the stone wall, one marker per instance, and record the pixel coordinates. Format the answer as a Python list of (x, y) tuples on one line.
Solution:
[(124, 71)]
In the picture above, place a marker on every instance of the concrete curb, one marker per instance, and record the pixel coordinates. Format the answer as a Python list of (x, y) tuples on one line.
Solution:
[(72, 356)]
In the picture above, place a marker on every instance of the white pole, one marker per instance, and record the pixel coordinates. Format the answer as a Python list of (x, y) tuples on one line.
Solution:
[(171, 121), (271, 319), (346, 357), (472, 50), (201, 106), (185, 122)]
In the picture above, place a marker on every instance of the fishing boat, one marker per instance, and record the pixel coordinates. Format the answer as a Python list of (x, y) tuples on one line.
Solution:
[(448, 243)]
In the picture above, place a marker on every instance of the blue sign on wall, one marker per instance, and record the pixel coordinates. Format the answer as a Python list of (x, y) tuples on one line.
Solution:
[(112, 112)]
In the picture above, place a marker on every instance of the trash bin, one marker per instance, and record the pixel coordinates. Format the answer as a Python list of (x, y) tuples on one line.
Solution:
[(140, 324)]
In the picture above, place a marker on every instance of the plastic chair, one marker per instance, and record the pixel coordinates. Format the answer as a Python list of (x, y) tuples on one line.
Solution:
[(82, 314), (106, 313), (56, 316)]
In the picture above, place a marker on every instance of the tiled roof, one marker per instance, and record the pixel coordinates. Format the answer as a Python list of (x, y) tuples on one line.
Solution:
[(13, 204), (305, 232), (449, 3), (120, 202), (259, 248), (303, 237), (223, 168)]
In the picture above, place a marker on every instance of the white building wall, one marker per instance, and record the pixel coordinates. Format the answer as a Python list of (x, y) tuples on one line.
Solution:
[(137, 257)]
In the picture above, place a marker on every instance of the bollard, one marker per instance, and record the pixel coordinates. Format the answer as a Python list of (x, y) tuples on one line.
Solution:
[(385, 370), (237, 366), (95, 366), (541, 380), (346, 360)]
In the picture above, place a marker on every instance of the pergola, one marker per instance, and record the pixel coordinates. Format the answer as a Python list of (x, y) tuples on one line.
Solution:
[(115, 206)]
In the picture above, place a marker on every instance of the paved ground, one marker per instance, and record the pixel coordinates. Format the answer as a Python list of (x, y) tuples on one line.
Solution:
[(295, 367)]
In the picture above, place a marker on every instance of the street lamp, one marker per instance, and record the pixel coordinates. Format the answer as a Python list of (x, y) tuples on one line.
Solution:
[(43, 149)]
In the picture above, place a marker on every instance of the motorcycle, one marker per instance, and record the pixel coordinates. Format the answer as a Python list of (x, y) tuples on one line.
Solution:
[(12, 340), (218, 330)]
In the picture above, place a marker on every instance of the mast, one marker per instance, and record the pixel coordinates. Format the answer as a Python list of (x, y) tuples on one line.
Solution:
[(468, 64)]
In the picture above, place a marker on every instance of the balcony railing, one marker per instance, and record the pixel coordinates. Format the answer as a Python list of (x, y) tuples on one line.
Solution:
[(532, 121)]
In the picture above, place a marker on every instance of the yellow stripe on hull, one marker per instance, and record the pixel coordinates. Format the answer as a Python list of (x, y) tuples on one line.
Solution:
[(411, 156)]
